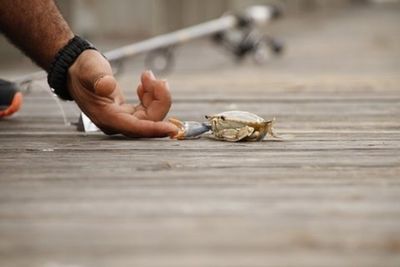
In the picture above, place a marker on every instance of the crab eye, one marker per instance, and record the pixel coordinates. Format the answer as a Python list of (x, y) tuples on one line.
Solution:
[(207, 117), (222, 118)]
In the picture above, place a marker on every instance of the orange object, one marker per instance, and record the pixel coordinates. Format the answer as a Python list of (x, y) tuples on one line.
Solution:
[(15, 105)]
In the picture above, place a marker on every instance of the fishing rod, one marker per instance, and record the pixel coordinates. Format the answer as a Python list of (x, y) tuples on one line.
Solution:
[(238, 33)]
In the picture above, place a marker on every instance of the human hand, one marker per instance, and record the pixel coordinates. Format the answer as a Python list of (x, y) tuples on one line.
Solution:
[(95, 90)]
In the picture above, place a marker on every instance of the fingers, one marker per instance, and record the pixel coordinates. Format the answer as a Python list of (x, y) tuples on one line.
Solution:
[(151, 87), (146, 88), (154, 96), (140, 92), (161, 104), (147, 76), (130, 126)]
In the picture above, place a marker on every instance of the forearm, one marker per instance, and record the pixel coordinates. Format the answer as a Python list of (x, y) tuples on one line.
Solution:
[(36, 27)]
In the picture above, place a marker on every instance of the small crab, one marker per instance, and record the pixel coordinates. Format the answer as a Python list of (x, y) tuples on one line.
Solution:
[(232, 126)]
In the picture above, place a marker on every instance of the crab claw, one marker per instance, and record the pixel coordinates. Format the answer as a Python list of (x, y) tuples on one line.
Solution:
[(189, 129), (278, 137), (270, 128)]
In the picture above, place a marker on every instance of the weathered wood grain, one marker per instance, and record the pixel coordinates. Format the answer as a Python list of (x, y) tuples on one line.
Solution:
[(328, 197)]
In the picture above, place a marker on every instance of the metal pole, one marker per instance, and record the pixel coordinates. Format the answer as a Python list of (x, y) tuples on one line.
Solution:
[(174, 38), (254, 15)]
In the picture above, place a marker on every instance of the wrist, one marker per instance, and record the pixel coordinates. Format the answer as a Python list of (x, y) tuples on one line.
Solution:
[(56, 46), (63, 60)]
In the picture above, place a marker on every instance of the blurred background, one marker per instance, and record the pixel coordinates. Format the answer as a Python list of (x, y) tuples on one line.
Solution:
[(320, 36), (138, 19), (143, 18)]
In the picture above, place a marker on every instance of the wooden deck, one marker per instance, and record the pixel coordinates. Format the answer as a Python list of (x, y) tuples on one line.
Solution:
[(330, 197)]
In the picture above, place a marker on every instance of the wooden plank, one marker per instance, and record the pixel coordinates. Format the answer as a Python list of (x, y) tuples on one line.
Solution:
[(329, 197)]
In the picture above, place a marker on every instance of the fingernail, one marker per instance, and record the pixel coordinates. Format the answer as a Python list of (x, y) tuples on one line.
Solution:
[(166, 83), (151, 74)]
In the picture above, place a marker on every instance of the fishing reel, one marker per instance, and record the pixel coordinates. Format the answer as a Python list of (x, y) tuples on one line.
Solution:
[(247, 40), (249, 43), (240, 43), (239, 34)]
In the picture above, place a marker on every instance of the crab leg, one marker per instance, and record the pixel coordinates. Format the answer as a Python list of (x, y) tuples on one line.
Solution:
[(189, 129)]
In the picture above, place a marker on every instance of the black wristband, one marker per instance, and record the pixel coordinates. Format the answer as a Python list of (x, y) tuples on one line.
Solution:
[(58, 71)]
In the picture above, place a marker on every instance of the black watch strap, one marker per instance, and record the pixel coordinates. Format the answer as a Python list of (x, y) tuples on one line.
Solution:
[(58, 71)]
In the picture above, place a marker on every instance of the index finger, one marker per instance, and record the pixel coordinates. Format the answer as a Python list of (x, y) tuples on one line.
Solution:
[(131, 126)]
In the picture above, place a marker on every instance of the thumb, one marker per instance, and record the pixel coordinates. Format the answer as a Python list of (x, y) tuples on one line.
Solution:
[(94, 72), (105, 85)]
